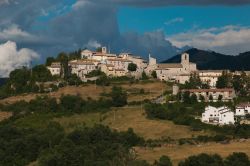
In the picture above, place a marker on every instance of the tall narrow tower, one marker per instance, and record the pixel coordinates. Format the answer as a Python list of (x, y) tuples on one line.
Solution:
[(185, 59)]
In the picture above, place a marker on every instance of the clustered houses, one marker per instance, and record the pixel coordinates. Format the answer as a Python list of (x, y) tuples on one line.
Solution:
[(82, 67), (113, 65), (117, 65), (213, 95), (221, 115)]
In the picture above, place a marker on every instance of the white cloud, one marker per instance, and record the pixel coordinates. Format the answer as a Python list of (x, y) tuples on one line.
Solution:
[(11, 58), (229, 39), (173, 21), (3, 2), (13, 32), (79, 4), (93, 44)]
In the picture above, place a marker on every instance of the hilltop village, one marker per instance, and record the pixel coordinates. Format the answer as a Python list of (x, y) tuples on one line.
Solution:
[(129, 65)]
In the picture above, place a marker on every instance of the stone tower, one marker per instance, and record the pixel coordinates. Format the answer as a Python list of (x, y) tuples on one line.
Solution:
[(185, 59)]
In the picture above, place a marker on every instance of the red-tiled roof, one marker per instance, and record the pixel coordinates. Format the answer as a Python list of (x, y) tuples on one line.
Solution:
[(209, 90)]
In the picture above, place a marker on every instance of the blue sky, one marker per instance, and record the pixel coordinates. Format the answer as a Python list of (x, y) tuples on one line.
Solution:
[(188, 17), (162, 28)]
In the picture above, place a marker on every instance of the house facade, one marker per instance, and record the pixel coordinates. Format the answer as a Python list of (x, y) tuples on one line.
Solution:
[(242, 109), (82, 67), (210, 76), (221, 116), (55, 68), (214, 95)]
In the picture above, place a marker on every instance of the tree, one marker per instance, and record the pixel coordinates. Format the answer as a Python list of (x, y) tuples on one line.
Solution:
[(144, 76), (41, 74), (194, 82), (132, 67), (224, 81), (103, 80), (237, 159), (74, 80), (220, 98), (19, 79), (63, 59), (49, 61), (202, 160), (154, 74), (119, 97), (193, 98), (211, 98), (240, 84), (186, 97), (201, 98), (163, 161)]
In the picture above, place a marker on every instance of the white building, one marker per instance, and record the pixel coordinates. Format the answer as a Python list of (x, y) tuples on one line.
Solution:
[(242, 109), (170, 71), (221, 115), (55, 68)]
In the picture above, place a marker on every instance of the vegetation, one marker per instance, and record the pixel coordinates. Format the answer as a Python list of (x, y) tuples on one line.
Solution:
[(154, 74), (92, 146), (119, 97), (144, 76), (132, 67), (235, 159), (195, 83)]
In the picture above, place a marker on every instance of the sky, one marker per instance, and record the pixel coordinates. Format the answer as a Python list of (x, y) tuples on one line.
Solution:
[(31, 30)]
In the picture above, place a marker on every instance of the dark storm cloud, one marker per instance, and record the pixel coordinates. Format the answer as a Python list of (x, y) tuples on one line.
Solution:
[(150, 3), (87, 22)]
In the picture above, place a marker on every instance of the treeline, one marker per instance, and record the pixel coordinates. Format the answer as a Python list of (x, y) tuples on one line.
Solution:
[(26, 80), (69, 103), (183, 114), (88, 146), (53, 147)]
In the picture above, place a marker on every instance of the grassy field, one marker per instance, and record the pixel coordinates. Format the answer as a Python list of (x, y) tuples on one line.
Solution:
[(180, 152), (152, 90), (5, 115), (129, 117)]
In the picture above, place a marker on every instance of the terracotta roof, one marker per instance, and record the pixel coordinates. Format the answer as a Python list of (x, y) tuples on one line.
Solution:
[(55, 65), (122, 60), (243, 105), (83, 62), (209, 90), (210, 71), (169, 65), (119, 70)]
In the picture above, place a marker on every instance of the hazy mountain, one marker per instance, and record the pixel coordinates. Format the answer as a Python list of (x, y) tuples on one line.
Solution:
[(211, 60)]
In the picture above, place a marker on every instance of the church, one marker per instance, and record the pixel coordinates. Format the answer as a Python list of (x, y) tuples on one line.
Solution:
[(173, 71)]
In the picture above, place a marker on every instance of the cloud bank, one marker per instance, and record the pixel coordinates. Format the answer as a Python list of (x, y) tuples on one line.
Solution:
[(11, 58), (228, 40)]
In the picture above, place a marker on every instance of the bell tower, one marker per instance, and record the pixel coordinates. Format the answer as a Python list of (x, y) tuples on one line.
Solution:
[(185, 59)]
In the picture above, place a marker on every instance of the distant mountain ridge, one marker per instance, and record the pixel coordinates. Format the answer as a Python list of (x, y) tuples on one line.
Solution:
[(210, 60)]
